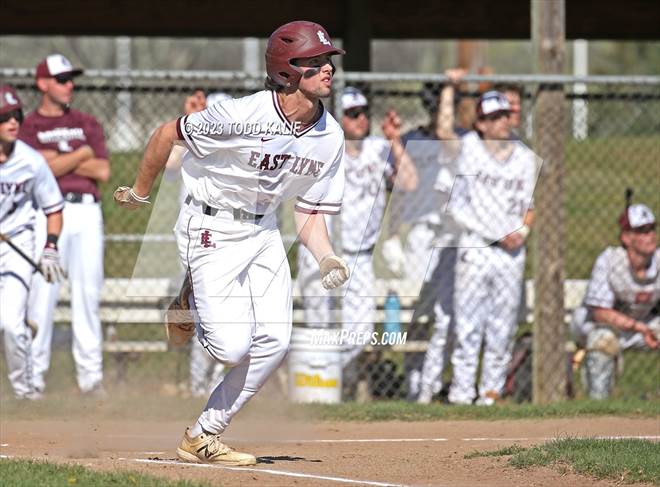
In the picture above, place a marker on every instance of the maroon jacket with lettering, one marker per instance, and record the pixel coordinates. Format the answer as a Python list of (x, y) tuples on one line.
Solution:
[(66, 133)]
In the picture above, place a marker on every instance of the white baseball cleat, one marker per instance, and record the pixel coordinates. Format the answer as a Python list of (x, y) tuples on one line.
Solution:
[(206, 448)]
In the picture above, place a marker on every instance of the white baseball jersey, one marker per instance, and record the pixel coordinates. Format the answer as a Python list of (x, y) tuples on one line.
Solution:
[(490, 197), (26, 183), (613, 285), (245, 154), (363, 204)]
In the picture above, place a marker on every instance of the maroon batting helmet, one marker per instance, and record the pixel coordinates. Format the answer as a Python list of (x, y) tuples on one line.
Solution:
[(295, 40), (9, 99)]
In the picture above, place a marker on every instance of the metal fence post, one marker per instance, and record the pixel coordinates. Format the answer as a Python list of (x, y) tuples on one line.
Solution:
[(548, 19)]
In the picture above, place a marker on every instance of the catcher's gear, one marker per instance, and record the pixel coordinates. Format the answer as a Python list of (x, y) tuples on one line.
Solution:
[(179, 319), (50, 265), (334, 271), (126, 198), (295, 40)]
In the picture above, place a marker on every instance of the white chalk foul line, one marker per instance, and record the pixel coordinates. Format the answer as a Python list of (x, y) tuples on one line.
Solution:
[(4, 444), (364, 440), (269, 471)]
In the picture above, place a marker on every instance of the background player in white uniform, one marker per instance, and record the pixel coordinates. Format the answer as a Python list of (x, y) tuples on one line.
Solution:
[(429, 255), (368, 170), (245, 157), (26, 183), (73, 144), (620, 308), (491, 201)]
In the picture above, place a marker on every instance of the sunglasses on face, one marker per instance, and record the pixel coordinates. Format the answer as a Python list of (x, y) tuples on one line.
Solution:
[(644, 228), (496, 116), (63, 78), (15, 114), (354, 113)]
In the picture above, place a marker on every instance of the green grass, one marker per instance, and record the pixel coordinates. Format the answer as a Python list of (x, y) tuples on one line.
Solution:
[(404, 411), (625, 460), (509, 450), (28, 473)]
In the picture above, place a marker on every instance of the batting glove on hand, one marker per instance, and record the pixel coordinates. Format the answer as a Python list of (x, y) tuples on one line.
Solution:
[(50, 265), (334, 271), (126, 198)]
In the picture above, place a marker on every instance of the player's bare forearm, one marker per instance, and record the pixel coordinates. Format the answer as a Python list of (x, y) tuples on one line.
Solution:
[(97, 169), (65, 163), (155, 157), (54, 223), (313, 234), (612, 317), (405, 173), (529, 218)]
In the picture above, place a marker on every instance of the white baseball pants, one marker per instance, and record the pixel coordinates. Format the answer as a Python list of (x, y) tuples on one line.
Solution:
[(15, 276), (242, 300), (81, 252), (486, 300)]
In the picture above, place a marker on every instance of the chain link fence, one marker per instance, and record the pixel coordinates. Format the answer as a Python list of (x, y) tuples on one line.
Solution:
[(415, 276)]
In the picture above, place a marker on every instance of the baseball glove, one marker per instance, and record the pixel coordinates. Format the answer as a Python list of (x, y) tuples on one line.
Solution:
[(179, 319)]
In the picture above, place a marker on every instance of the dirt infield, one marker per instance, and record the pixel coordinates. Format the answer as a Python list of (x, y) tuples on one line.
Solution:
[(319, 453)]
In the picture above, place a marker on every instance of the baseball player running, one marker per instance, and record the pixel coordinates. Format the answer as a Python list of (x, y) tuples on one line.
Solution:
[(72, 142), (245, 157), (25, 179), (491, 201), (620, 308), (370, 161)]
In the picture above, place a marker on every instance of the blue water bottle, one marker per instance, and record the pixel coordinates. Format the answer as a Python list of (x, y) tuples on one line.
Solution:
[(392, 323)]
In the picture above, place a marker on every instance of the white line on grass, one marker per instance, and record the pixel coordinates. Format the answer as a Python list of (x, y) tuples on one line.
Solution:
[(270, 471)]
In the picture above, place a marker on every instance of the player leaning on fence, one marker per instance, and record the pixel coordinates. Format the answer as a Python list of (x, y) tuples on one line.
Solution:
[(246, 156), (26, 183), (620, 308)]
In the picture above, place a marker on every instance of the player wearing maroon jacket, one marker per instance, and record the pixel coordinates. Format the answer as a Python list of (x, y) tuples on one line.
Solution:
[(73, 144)]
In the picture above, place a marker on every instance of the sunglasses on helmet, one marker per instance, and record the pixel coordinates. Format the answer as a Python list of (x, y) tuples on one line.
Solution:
[(496, 116), (355, 112), (15, 114)]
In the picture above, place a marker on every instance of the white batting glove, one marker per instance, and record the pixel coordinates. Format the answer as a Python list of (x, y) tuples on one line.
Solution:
[(50, 265), (395, 258), (125, 197), (334, 271)]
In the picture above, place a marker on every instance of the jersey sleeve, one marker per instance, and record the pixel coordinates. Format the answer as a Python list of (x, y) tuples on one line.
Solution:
[(46, 191), (599, 292), (210, 130), (325, 195), (96, 139)]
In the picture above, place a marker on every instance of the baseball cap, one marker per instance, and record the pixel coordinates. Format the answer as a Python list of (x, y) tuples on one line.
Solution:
[(56, 64), (491, 102), (217, 97), (352, 98), (9, 99), (636, 216)]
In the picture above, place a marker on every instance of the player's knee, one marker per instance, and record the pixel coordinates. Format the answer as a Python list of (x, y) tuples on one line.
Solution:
[(230, 354), (603, 340)]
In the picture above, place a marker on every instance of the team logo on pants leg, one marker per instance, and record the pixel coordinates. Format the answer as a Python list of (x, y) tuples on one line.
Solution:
[(206, 240)]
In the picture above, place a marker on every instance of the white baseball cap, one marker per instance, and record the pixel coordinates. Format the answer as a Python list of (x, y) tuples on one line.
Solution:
[(352, 98), (491, 102), (56, 64), (636, 216), (217, 97)]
